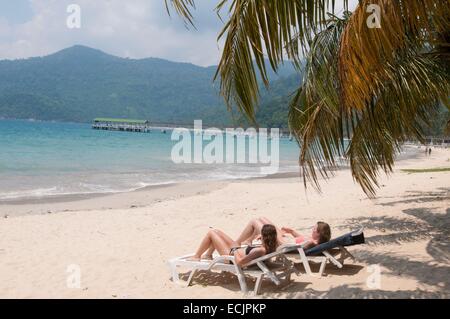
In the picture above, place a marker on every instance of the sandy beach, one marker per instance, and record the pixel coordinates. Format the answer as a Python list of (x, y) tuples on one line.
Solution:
[(122, 242)]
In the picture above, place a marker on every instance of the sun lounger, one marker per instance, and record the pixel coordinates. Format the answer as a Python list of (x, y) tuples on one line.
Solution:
[(274, 266), (333, 251)]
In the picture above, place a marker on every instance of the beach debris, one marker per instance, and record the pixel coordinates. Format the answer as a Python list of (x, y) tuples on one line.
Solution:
[(114, 296), (133, 206), (49, 212), (6, 216)]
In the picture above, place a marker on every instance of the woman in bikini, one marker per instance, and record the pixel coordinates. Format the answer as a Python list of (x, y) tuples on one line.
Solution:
[(321, 233), (225, 246)]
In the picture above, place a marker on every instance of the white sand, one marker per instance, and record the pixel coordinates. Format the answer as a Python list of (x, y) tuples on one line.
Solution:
[(122, 251)]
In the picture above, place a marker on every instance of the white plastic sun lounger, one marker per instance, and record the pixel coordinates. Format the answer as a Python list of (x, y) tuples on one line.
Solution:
[(327, 252), (278, 271)]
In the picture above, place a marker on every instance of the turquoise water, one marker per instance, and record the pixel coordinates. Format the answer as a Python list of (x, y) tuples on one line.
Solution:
[(39, 159)]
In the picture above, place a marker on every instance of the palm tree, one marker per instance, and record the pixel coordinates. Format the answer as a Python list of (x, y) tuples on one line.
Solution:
[(377, 85)]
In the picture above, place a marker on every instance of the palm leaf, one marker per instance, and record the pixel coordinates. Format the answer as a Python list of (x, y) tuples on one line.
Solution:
[(183, 8), (256, 28), (379, 85), (396, 114), (364, 51), (396, 111), (315, 118)]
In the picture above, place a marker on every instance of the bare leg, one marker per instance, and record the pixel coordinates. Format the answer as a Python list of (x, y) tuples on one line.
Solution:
[(218, 240), (250, 231), (209, 253), (211, 249), (225, 238)]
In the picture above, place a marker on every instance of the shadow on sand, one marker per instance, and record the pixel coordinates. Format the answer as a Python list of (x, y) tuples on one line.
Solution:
[(230, 282), (419, 224)]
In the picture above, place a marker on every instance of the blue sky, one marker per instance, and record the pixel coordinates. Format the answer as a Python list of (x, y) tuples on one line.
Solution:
[(131, 28)]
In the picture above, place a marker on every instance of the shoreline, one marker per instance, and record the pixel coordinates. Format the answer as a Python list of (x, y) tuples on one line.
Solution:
[(142, 197), (145, 196)]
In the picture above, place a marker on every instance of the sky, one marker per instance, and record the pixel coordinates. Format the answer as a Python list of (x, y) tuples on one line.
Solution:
[(131, 28)]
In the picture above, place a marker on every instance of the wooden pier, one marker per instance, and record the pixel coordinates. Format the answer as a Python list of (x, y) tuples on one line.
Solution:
[(144, 126), (125, 125)]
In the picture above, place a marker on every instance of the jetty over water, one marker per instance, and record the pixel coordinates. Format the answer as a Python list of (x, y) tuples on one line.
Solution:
[(145, 126), (127, 125), (130, 125)]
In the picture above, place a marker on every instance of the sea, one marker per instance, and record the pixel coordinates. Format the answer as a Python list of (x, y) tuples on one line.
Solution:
[(44, 159)]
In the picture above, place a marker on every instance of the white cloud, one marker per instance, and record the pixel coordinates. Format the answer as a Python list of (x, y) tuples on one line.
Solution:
[(132, 28)]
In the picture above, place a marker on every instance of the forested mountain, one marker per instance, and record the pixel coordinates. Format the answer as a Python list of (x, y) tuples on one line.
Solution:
[(81, 83)]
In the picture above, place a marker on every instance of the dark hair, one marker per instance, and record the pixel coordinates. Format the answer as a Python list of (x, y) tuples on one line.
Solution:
[(269, 238), (324, 231)]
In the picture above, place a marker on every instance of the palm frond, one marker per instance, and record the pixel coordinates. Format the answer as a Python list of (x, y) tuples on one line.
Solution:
[(183, 9), (315, 118), (396, 111), (379, 85), (260, 28), (364, 50)]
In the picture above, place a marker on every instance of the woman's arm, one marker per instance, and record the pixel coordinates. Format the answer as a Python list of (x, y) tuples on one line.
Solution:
[(241, 259), (291, 231)]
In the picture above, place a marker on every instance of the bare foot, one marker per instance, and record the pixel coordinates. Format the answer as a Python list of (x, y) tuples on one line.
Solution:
[(193, 258), (207, 257)]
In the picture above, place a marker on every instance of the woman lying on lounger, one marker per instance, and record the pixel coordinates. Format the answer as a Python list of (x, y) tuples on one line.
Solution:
[(321, 233), (225, 246)]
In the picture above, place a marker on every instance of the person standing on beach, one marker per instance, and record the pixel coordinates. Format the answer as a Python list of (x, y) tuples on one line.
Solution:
[(429, 151)]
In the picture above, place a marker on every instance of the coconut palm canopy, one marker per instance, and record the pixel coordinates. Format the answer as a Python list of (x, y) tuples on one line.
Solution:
[(375, 75)]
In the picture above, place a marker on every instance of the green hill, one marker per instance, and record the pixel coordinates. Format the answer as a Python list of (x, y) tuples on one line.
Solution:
[(80, 83)]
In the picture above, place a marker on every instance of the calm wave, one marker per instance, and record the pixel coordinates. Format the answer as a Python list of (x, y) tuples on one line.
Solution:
[(39, 159)]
